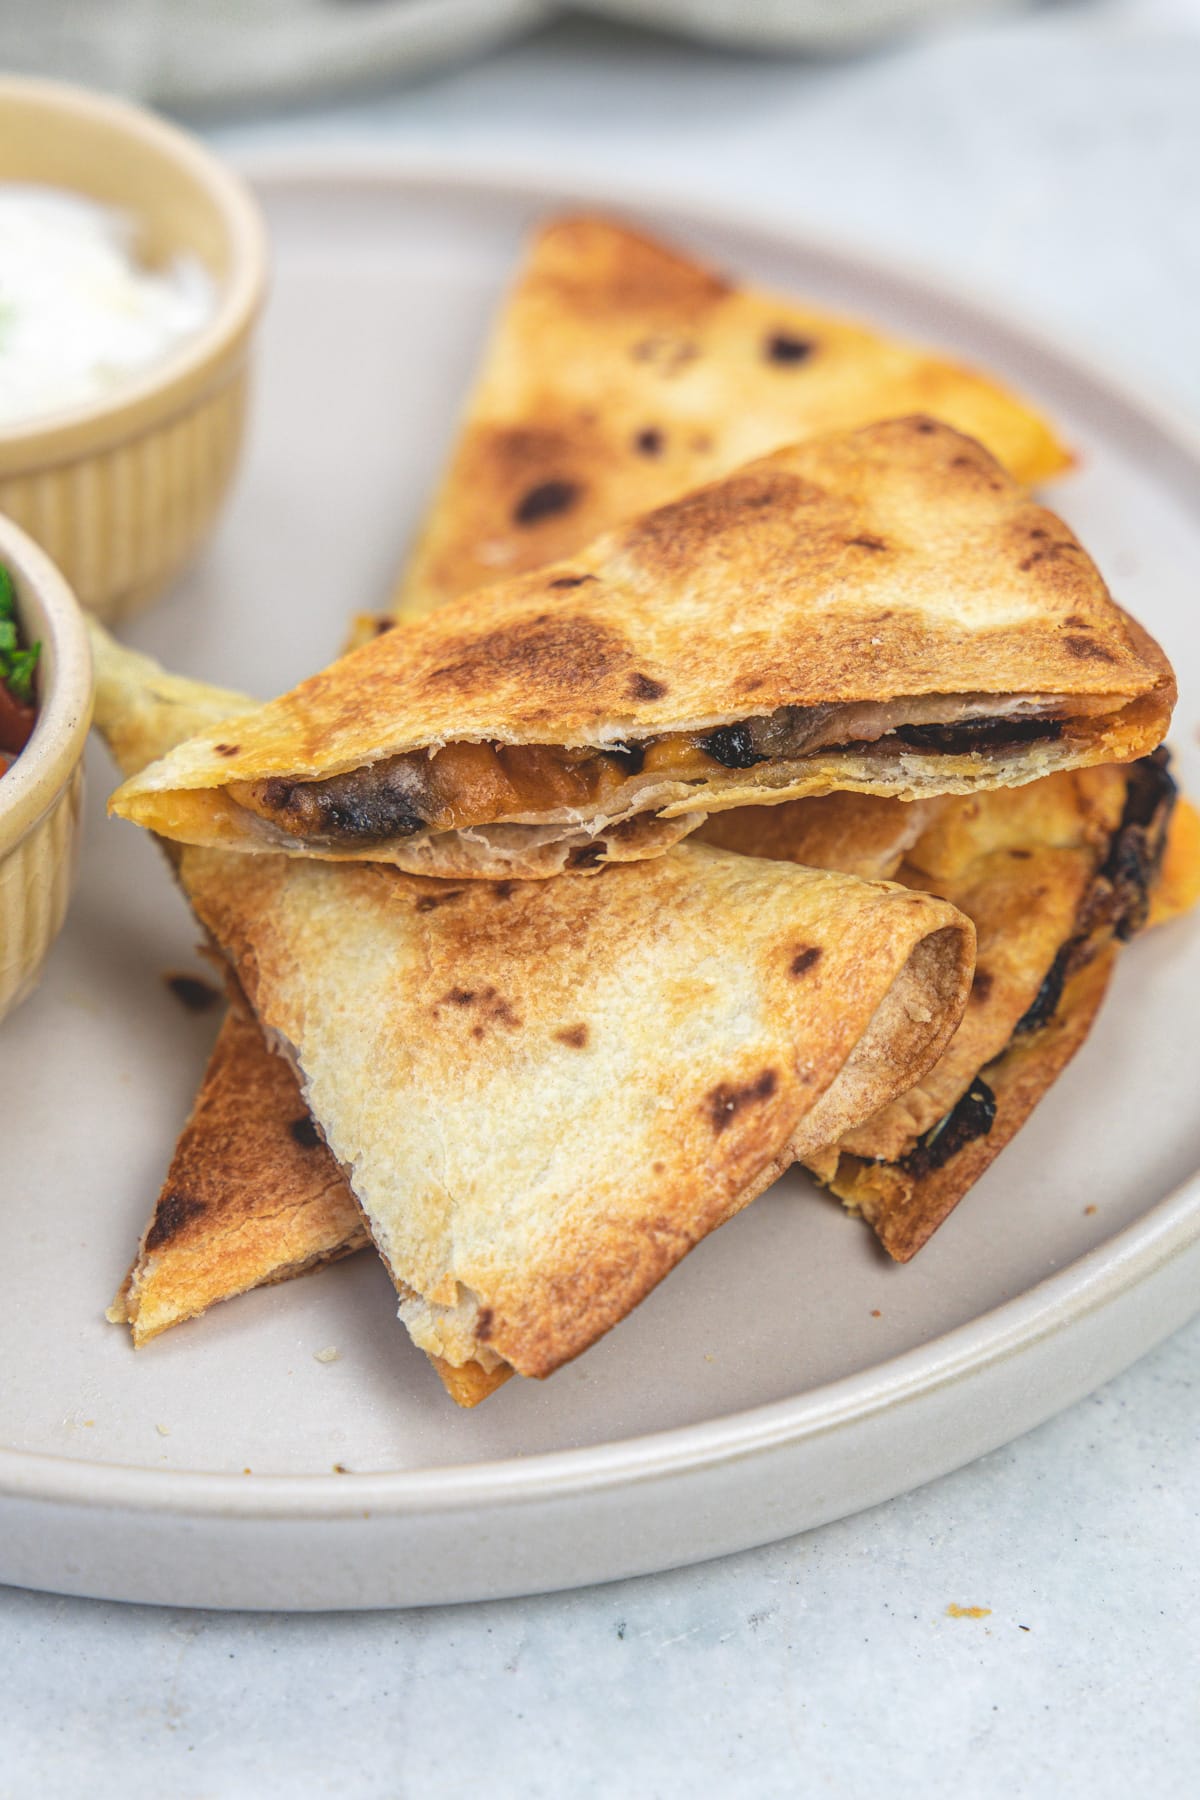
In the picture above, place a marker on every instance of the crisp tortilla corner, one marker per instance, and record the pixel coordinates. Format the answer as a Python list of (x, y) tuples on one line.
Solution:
[(265, 1202)]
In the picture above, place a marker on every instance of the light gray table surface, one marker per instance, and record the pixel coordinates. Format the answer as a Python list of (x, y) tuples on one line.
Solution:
[(1051, 158)]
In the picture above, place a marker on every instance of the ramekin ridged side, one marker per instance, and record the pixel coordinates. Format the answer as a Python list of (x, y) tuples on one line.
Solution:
[(121, 523), (41, 793), (122, 490), (36, 879)]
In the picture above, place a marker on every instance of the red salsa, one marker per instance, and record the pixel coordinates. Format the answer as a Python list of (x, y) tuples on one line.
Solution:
[(18, 706)]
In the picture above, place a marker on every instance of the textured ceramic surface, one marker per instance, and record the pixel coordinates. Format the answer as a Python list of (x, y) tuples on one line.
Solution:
[(123, 522), (122, 492), (40, 796), (785, 1373)]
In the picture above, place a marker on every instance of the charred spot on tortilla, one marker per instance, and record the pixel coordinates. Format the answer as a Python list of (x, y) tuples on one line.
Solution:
[(544, 501), (430, 902), (972, 1117), (866, 542), (1085, 649), (645, 687), (192, 991), (305, 1132), (785, 348), (981, 986), (725, 1102), (1049, 551), (733, 747), (649, 442), (968, 735), (570, 581), (806, 959), (483, 1324), (554, 652), (226, 749), (487, 1004), (574, 1036), (741, 510), (504, 890), (174, 1211)]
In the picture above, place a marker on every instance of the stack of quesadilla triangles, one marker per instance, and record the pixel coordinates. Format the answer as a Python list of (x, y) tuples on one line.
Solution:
[(540, 1077)]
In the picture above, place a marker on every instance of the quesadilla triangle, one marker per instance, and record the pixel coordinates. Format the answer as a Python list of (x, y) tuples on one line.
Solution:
[(286, 1193), (253, 1195), (544, 1093), (1054, 875), (883, 611), (621, 374)]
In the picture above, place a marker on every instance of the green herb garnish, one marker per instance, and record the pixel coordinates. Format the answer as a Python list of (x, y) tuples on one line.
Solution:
[(16, 665)]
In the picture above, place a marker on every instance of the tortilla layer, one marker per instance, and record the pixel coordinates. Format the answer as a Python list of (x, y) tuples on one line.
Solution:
[(917, 627), (620, 374), (252, 1195), (1051, 875), (863, 836), (545, 1094), (905, 1206)]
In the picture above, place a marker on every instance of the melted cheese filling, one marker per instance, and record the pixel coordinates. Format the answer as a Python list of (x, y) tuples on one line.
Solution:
[(465, 785)]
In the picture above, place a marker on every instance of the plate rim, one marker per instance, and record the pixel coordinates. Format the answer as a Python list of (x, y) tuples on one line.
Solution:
[(1088, 1284)]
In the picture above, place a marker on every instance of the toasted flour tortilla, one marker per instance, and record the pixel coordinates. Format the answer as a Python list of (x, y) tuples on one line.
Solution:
[(1051, 874), (905, 1206), (620, 374), (252, 1195), (883, 611), (543, 1094), (546, 1093), (280, 1191)]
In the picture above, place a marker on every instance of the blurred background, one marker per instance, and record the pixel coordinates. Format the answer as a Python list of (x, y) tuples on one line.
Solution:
[(222, 53)]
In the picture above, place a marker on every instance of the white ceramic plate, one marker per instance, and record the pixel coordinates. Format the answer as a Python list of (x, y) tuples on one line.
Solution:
[(786, 1374)]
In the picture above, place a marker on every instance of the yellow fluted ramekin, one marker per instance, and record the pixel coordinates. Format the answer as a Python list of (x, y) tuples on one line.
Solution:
[(121, 492), (40, 794)]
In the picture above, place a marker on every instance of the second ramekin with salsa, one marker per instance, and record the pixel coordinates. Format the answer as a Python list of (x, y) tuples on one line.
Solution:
[(45, 711)]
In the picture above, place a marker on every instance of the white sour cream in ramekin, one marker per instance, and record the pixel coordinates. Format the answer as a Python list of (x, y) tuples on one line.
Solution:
[(79, 314)]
